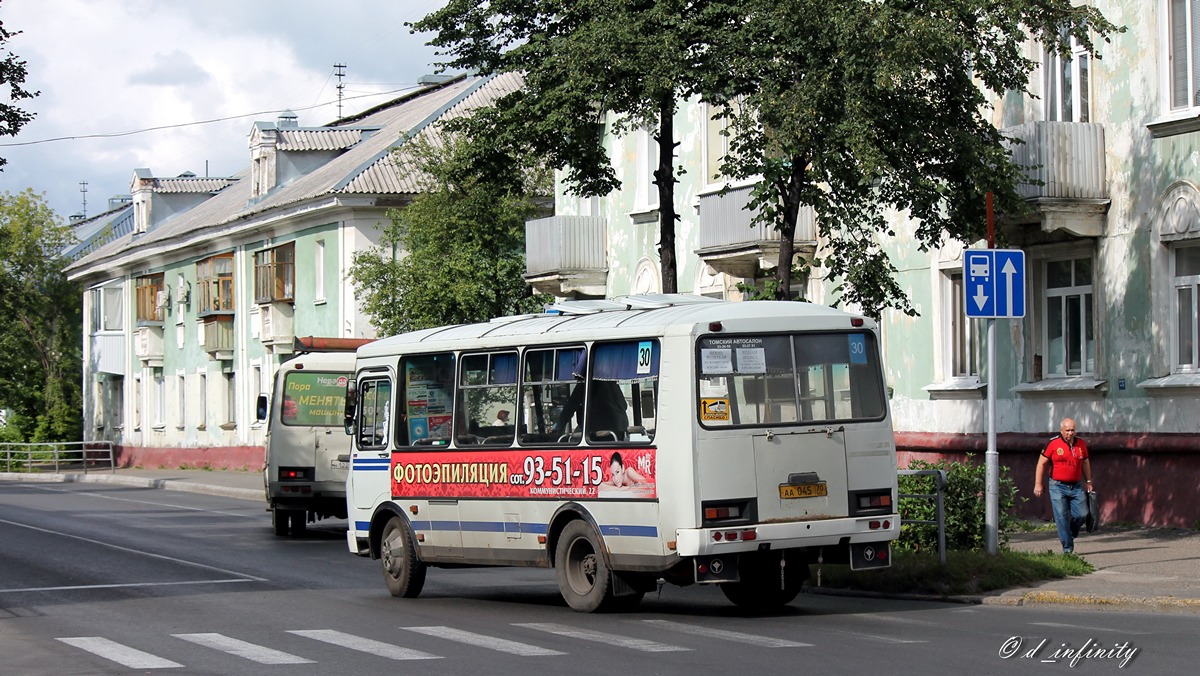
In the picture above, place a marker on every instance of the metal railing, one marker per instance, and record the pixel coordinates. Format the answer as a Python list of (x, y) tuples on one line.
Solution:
[(62, 456), (937, 497)]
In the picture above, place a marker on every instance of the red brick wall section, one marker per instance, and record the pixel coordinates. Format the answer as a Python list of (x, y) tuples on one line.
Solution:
[(212, 457), (1148, 479)]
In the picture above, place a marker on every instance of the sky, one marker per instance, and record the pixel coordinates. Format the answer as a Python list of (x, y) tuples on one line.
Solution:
[(110, 67)]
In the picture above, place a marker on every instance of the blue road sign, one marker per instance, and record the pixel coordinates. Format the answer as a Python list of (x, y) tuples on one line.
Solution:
[(994, 282)]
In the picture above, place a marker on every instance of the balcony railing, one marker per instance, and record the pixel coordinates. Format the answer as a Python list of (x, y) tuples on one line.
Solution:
[(567, 254), (1066, 157), (218, 337), (731, 243), (108, 353)]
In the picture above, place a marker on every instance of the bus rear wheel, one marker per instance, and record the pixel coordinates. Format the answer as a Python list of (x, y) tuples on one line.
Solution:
[(403, 572), (579, 566), (279, 521), (767, 582)]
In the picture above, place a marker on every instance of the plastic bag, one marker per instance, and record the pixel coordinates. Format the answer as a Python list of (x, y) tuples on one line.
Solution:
[(1093, 512)]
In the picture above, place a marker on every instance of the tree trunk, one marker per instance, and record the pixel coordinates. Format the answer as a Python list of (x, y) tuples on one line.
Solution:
[(664, 178), (787, 230)]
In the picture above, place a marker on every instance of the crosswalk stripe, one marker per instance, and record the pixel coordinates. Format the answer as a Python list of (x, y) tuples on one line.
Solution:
[(365, 645), (752, 639), (121, 654), (250, 651), (482, 641), (601, 637)]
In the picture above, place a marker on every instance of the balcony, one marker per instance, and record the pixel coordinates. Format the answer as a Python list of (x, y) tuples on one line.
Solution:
[(1068, 158), (731, 244), (108, 353), (218, 337), (148, 345), (275, 330), (567, 255)]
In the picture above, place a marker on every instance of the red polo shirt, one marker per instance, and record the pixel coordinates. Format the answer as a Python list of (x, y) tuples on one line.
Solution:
[(1066, 462)]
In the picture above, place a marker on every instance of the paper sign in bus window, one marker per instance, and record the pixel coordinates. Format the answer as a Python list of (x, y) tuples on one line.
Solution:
[(716, 361), (751, 360), (714, 409)]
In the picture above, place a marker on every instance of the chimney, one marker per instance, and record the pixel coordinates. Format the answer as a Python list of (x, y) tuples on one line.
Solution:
[(288, 120)]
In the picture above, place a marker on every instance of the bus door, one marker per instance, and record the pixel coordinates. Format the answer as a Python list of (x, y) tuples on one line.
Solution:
[(801, 475), (371, 460)]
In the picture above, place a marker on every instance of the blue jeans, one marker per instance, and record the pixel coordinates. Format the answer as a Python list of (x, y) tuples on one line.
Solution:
[(1070, 511)]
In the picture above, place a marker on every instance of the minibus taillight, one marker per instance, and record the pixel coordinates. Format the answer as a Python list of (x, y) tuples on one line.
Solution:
[(726, 512)]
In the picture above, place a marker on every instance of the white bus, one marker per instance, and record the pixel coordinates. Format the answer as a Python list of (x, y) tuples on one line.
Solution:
[(307, 453), (622, 442)]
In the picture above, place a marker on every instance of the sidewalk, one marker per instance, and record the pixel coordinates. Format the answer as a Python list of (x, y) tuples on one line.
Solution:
[(1137, 568), (1150, 569)]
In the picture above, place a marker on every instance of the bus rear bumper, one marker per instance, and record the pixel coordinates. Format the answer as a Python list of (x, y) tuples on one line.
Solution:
[(790, 535)]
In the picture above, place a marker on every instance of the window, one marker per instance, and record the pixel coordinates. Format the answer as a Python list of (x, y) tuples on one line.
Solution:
[(319, 271), (230, 400), (1184, 53), (1185, 271), (374, 405), (622, 392), (1066, 84), (151, 297), (214, 279), (487, 397), (137, 403), (767, 380), (427, 393), (202, 398), (180, 399), (1069, 334), (648, 154), (106, 308), (960, 358), (552, 378), (716, 144), (274, 274), (158, 396)]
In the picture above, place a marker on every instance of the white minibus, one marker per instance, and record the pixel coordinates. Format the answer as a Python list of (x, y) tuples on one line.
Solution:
[(307, 451), (625, 442)]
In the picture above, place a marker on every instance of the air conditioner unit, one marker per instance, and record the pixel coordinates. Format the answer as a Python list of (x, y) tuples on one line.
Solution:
[(182, 291), (162, 300)]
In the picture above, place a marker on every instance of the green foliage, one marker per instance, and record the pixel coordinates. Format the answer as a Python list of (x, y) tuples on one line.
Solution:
[(965, 572), (964, 506), (456, 253), (12, 74), (40, 323)]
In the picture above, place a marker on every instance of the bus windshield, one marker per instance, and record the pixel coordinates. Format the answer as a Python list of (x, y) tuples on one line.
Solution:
[(800, 378)]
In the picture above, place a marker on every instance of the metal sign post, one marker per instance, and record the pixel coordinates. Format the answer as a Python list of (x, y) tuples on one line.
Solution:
[(994, 287)]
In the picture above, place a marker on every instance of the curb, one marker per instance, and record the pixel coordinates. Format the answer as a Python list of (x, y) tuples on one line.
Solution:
[(1037, 598), (139, 482)]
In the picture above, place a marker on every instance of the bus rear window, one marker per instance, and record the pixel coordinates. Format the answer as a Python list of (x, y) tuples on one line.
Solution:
[(314, 399), (800, 378)]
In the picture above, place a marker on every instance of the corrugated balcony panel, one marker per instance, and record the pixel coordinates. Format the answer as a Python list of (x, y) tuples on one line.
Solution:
[(725, 221), (562, 243), (108, 353), (1067, 157)]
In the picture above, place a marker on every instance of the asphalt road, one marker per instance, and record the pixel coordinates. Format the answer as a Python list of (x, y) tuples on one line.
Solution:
[(116, 580)]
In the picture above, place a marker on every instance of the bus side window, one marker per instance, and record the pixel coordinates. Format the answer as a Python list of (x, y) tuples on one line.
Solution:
[(487, 397), (622, 392), (552, 396), (427, 389)]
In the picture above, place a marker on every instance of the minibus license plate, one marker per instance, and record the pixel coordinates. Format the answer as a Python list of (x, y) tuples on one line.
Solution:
[(817, 490)]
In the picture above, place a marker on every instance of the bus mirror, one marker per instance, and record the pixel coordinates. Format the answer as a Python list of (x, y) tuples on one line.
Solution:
[(260, 409), (351, 405)]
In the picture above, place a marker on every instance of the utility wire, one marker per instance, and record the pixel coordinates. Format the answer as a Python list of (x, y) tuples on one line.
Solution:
[(189, 124)]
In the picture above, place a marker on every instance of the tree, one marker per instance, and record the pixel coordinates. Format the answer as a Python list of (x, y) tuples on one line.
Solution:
[(40, 322), (857, 109), (456, 253), (580, 60), (12, 73)]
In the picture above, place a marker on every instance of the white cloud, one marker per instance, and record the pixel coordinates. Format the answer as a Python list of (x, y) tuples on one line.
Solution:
[(115, 66)]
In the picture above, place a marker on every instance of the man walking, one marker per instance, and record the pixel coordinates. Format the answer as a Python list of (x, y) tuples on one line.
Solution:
[(1070, 479)]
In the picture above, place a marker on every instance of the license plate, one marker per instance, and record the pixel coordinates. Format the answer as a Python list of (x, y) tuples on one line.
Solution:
[(339, 464), (788, 492)]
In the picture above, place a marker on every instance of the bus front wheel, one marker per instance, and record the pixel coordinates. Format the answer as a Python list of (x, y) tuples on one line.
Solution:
[(403, 572), (583, 576)]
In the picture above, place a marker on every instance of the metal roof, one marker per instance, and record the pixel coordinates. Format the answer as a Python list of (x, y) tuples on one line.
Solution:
[(620, 317), (365, 168), (188, 184), (292, 140)]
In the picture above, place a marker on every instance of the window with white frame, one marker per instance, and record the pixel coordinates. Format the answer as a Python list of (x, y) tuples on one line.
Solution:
[(137, 403), (1183, 53), (1068, 333), (202, 400), (960, 356), (319, 271), (111, 308), (716, 143), (1065, 80), (158, 396), (180, 399), (1185, 272), (230, 399), (647, 195)]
